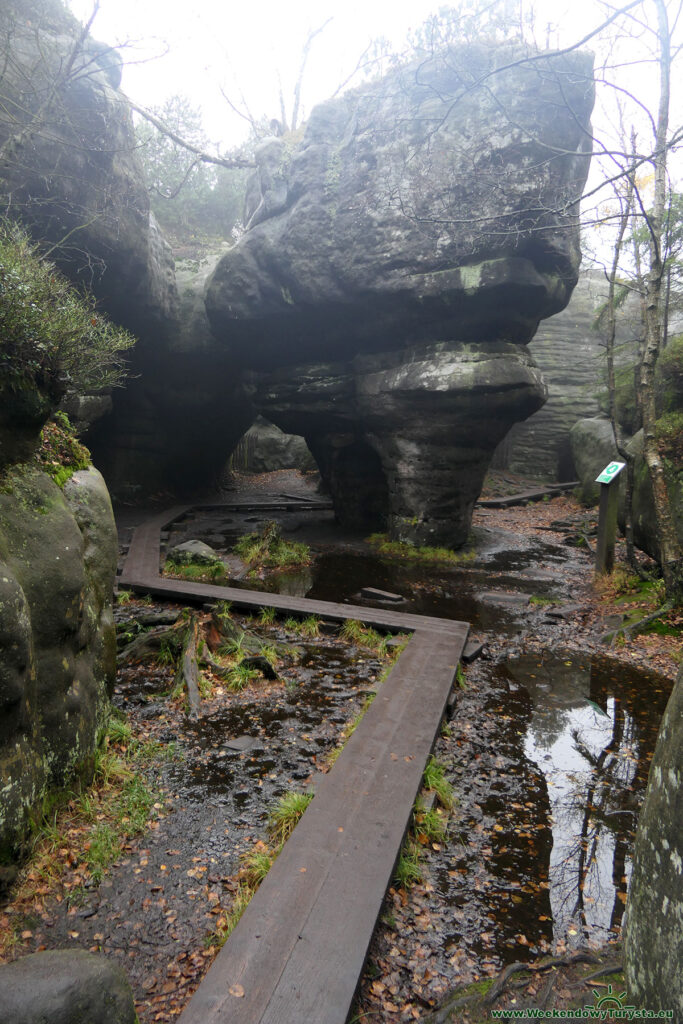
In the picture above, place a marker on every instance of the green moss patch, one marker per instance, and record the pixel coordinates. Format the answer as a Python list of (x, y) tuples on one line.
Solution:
[(60, 454), (410, 552)]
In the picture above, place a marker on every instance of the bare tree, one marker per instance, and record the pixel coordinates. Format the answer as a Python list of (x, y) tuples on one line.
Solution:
[(640, 180)]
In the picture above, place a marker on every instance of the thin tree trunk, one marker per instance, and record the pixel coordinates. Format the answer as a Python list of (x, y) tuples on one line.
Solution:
[(669, 546), (627, 202)]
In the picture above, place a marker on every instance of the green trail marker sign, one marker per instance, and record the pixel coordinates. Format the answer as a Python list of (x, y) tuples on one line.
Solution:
[(610, 472), (607, 521)]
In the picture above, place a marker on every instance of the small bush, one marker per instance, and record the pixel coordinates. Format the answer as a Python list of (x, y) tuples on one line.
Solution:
[(611, 585), (52, 339)]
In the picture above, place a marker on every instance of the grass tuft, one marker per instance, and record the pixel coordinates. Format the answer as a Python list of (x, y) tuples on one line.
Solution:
[(285, 815), (268, 549), (310, 626), (212, 573), (409, 870), (435, 780), (240, 677)]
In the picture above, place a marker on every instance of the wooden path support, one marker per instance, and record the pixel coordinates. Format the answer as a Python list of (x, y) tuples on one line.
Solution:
[(535, 494), (607, 516), (298, 951)]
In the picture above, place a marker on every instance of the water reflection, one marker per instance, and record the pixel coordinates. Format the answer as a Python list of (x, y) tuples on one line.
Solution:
[(591, 733)]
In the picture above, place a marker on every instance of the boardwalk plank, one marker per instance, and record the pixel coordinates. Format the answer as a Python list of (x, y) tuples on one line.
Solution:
[(381, 618), (142, 559), (301, 962), (536, 494), (297, 953)]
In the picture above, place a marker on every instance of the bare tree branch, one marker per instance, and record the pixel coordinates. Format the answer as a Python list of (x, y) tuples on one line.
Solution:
[(201, 155)]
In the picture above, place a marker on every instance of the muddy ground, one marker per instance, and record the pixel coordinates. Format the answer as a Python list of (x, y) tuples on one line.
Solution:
[(501, 889)]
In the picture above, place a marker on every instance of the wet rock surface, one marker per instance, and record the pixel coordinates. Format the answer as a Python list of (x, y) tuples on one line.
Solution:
[(65, 987), (383, 301), (654, 937), (69, 169), (57, 565)]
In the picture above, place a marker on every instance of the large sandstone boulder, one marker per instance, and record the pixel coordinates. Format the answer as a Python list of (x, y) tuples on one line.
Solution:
[(66, 986), (69, 169), (654, 920), (404, 438), (265, 449), (592, 448), (58, 553), (70, 172), (397, 261)]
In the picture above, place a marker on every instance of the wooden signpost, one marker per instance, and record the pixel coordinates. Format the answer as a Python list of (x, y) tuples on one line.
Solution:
[(607, 520)]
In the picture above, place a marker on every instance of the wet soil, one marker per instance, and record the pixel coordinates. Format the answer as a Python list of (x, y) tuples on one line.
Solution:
[(548, 751), (157, 910), (548, 754)]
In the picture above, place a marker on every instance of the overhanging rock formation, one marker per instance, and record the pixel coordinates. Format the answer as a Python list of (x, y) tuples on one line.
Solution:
[(397, 261)]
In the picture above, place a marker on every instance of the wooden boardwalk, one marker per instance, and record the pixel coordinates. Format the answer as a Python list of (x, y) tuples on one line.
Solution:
[(535, 494), (298, 951)]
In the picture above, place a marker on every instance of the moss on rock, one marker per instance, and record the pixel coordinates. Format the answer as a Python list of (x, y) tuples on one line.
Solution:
[(57, 566)]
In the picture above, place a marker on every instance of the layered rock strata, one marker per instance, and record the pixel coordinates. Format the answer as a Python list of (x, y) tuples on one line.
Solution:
[(569, 349), (397, 261)]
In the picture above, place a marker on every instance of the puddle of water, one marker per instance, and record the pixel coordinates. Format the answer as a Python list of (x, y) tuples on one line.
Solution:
[(502, 563), (592, 734), (279, 739), (453, 594), (574, 739)]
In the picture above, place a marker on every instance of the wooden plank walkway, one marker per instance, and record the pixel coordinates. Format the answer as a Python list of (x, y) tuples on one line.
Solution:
[(535, 494), (141, 574), (298, 951)]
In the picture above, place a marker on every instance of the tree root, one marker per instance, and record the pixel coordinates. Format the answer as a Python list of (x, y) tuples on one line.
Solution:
[(148, 644)]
